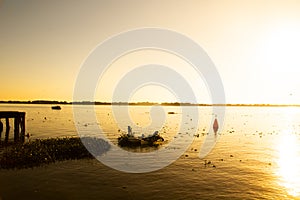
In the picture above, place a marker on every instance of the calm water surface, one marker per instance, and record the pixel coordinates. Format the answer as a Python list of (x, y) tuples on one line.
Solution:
[(256, 157)]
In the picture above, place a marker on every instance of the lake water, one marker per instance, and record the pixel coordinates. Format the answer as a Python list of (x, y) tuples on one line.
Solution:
[(257, 156)]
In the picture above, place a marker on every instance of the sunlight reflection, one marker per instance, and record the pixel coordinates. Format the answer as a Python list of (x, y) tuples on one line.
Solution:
[(289, 163)]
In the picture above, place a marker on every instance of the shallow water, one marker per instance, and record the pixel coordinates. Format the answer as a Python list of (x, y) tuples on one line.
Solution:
[(256, 157)]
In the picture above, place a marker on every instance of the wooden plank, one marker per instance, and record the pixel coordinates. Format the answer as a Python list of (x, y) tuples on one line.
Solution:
[(11, 114)]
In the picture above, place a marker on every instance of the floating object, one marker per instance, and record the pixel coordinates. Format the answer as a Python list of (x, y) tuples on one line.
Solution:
[(216, 125), (129, 140), (56, 108)]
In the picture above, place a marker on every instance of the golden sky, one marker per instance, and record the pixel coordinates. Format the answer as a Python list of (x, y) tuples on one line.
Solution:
[(254, 45)]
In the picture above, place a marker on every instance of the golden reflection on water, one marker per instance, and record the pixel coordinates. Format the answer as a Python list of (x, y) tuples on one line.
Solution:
[(289, 163)]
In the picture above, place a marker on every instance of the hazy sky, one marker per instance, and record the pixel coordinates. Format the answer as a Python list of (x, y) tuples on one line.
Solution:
[(255, 45)]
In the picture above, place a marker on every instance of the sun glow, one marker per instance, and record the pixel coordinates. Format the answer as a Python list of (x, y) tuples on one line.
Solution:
[(282, 50), (288, 163), (278, 61)]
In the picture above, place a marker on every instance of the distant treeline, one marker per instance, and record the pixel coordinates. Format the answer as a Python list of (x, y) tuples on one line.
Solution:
[(92, 103), (135, 103), (36, 102)]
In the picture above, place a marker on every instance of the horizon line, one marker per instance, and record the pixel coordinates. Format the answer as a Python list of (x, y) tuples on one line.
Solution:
[(138, 103)]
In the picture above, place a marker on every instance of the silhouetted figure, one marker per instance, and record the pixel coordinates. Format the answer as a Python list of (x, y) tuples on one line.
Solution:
[(130, 131)]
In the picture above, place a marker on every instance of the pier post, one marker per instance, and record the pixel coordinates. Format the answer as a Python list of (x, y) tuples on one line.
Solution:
[(1, 128), (6, 129), (19, 124), (16, 128), (22, 124)]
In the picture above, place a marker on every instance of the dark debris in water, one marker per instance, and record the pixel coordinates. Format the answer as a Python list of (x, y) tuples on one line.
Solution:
[(45, 151), (127, 140)]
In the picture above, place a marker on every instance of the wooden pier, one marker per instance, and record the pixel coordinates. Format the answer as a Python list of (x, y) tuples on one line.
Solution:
[(19, 125)]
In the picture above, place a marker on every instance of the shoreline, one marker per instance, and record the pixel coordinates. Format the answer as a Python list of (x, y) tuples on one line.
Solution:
[(46, 102)]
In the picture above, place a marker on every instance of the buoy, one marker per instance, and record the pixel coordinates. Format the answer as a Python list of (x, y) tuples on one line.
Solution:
[(216, 125)]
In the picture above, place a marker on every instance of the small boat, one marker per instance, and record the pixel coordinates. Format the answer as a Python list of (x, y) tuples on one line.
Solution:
[(56, 108), (171, 113), (129, 140)]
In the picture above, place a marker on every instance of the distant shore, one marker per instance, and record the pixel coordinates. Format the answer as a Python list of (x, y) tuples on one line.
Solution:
[(141, 103)]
